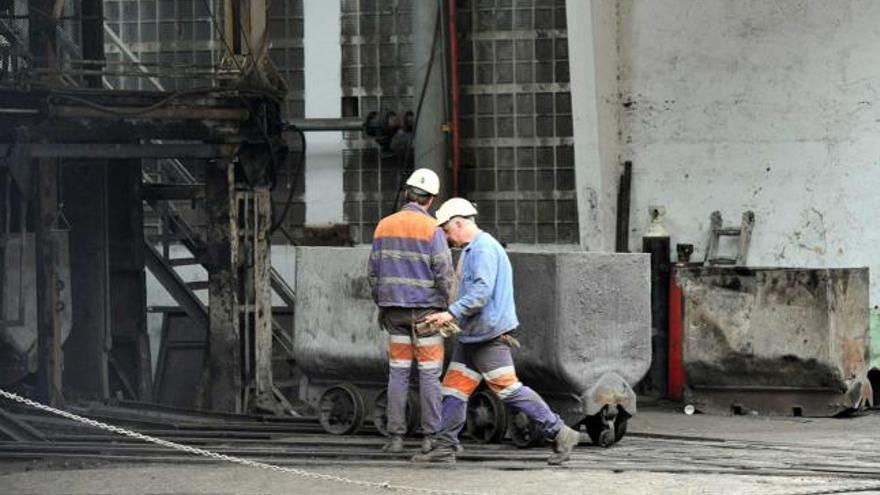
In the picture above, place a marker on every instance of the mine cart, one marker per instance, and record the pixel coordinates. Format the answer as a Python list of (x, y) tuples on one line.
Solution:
[(585, 330)]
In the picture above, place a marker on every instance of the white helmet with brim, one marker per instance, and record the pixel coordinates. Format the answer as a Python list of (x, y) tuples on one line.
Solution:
[(426, 180), (455, 207)]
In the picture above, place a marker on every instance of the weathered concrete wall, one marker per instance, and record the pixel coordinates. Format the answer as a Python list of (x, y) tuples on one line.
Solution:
[(595, 116), (770, 106)]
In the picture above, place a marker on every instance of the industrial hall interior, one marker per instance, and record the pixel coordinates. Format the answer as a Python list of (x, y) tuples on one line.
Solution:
[(439, 246)]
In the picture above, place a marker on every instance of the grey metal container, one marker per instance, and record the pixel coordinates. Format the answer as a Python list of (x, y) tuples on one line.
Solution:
[(776, 340), (585, 326), (337, 342), (584, 318)]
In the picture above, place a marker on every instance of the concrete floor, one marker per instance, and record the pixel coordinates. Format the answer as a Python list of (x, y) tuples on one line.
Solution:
[(753, 442), (180, 480)]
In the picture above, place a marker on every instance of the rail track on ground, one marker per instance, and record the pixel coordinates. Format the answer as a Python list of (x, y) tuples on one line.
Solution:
[(300, 442)]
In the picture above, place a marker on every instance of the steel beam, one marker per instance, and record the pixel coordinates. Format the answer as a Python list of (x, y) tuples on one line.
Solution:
[(255, 25), (123, 47), (48, 321), (5, 190), (86, 349), (18, 430), (281, 287), (325, 125), (128, 304), (164, 113), (429, 137), (175, 286), (255, 224), (92, 22), (42, 44), (120, 151), (153, 192), (42, 34), (225, 390)]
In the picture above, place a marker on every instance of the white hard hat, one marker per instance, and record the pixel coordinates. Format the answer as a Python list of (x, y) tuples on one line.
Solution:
[(426, 180), (455, 207)]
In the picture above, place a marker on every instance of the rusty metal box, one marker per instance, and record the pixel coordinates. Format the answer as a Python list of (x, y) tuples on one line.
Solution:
[(776, 340)]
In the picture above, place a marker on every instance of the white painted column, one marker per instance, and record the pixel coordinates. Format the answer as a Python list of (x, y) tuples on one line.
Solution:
[(593, 62), (323, 89)]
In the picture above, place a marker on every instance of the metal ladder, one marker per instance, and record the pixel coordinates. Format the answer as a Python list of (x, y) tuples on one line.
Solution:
[(717, 230)]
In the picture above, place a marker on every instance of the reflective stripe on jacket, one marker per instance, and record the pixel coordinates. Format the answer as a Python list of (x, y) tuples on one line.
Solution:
[(410, 265)]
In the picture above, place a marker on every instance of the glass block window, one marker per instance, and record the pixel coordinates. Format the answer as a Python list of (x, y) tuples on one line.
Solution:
[(163, 34), (516, 123), (186, 34), (377, 75)]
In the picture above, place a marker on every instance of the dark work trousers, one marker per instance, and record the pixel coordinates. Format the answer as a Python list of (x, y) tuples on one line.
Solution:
[(403, 347), (493, 362)]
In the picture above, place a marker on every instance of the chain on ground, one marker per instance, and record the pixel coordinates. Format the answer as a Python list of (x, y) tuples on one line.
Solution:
[(223, 457)]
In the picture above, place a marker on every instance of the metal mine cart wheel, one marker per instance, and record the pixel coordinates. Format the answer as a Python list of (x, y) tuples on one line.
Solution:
[(341, 410), (608, 426), (486, 417), (380, 416), (524, 433)]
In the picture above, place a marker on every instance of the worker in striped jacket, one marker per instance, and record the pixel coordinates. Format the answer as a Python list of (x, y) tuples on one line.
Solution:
[(411, 276)]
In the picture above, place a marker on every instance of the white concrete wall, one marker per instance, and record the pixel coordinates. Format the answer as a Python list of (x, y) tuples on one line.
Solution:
[(323, 89), (593, 63), (750, 104)]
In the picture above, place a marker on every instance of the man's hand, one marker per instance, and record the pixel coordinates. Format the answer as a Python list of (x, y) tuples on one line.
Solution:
[(442, 323), (438, 319)]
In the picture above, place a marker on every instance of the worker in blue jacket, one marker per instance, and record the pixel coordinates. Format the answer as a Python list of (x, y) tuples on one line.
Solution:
[(484, 310)]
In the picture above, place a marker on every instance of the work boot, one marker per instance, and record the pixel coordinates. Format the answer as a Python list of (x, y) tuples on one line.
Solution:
[(428, 443), (394, 445), (440, 452), (563, 444)]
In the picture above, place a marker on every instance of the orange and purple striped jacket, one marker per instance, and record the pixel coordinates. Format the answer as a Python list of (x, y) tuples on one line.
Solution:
[(410, 265)]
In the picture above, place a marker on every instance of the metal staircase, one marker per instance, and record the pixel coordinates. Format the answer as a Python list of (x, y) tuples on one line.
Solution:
[(177, 230), (165, 268)]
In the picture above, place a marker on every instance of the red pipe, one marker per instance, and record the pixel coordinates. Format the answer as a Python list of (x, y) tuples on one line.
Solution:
[(453, 68), (676, 378)]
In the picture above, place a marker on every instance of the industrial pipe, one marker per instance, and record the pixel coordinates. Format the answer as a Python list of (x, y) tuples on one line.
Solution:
[(453, 67), (325, 125)]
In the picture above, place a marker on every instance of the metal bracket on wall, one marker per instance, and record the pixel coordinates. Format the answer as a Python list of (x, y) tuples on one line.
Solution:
[(717, 230)]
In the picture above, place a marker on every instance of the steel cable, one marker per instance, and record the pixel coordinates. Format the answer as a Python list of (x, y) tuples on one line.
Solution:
[(222, 457)]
